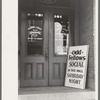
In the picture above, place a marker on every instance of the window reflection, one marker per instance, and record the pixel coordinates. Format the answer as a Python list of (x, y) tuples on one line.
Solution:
[(61, 29)]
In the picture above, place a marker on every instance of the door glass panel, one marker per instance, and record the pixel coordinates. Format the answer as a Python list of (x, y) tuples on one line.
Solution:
[(35, 34), (61, 37)]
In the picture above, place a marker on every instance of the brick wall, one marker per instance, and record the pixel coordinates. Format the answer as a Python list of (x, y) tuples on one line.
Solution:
[(86, 37)]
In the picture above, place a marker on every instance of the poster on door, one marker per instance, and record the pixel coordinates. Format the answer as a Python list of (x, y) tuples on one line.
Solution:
[(77, 66)]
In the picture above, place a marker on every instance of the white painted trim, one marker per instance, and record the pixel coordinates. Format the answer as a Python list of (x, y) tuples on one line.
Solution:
[(9, 49), (95, 34)]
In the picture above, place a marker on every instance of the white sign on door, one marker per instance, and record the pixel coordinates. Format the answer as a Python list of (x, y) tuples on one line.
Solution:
[(77, 66)]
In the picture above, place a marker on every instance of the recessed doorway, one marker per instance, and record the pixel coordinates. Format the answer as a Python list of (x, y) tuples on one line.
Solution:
[(45, 37)]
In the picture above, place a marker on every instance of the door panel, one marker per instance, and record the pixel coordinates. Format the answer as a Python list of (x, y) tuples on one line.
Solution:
[(58, 46), (34, 64)]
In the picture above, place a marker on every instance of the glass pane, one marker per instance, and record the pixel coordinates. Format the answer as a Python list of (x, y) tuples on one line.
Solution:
[(61, 29), (35, 34)]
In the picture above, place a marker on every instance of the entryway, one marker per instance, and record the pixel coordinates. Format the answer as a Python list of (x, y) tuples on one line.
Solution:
[(45, 37)]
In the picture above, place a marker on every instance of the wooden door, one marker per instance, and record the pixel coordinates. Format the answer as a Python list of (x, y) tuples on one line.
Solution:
[(34, 49), (43, 51), (60, 37)]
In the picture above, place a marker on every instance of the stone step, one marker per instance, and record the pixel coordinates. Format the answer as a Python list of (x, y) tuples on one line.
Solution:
[(55, 93)]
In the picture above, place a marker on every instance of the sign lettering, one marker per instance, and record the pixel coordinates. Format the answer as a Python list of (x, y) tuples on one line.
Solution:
[(77, 66)]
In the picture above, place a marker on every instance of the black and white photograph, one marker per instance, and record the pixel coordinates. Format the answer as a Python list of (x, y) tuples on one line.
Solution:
[(50, 50)]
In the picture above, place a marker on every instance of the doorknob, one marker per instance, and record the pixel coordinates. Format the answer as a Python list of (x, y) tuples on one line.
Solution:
[(46, 53)]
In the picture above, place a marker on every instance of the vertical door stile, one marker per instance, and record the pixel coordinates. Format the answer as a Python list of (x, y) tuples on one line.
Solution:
[(46, 44), (51, 42), (23, 31)]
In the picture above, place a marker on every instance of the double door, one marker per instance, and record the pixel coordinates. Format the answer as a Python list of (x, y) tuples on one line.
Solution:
[(45, 37)]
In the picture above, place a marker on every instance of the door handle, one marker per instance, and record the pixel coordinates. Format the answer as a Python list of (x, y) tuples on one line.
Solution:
[(46, 53)]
